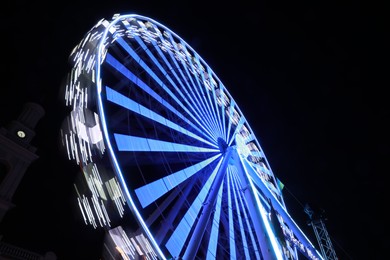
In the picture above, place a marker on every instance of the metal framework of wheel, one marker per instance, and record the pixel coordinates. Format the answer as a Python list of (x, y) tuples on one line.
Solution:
[(171, 167)]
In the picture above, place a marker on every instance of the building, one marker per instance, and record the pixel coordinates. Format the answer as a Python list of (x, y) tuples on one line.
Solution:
[(16, 155)]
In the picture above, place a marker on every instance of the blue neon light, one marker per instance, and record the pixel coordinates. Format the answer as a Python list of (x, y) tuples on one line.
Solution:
[(131, 105), (157, 63), (117, 65), (200, 97), (152, 191), (142, 144), (188, 85), (176, 242), (154, 76)]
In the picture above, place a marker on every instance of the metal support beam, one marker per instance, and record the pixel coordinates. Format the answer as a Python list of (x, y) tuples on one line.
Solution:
[(323, 239), (207, 209), (166, 224), (309, 249), (266, 248)]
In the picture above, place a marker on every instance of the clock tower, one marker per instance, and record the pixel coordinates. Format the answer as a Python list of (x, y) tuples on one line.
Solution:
[(16, 152)]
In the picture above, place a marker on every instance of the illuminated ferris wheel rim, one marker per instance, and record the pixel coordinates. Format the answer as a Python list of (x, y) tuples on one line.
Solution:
[(111, 32), (102, 49)]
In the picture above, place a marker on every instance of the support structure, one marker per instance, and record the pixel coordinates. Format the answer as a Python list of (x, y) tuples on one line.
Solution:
[(208, 207), (16, 155), (268, 250), (317, 222)]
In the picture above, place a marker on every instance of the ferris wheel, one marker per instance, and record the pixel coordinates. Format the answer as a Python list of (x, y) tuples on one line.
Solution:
[(172, 167)]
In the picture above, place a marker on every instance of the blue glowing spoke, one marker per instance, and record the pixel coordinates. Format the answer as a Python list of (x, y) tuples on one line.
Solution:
[(199, 100), (232, 241), (164, 72), (141, 144), (118, 66), (192, 105), (154, 190), (167, 203), (209, 104), (152, 74), (236, 193), (131, 105), (215, 104), (190, 84), (213, 242), (157, 80), (176, 241), (198, 86), (180, 202), (190, 95)]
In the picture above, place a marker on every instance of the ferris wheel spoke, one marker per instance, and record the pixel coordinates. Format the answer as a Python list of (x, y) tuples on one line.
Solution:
[(141, 62), (213, 100), (180, 78), (141, 144), (180, 202), (128, 74), (154, 190), (176, 241), (187, 86), (205, 92), (135, 107), (188, 96), (166, 74), (175, 194), (198, 87)]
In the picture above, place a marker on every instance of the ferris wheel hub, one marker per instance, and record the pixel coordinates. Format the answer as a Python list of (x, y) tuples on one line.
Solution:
[(222, 145)]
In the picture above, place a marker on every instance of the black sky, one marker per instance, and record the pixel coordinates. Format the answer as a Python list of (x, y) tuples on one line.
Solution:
[(307, 76)]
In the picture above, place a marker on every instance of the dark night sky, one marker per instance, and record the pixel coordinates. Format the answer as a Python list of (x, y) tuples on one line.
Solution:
[(307, 76)]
